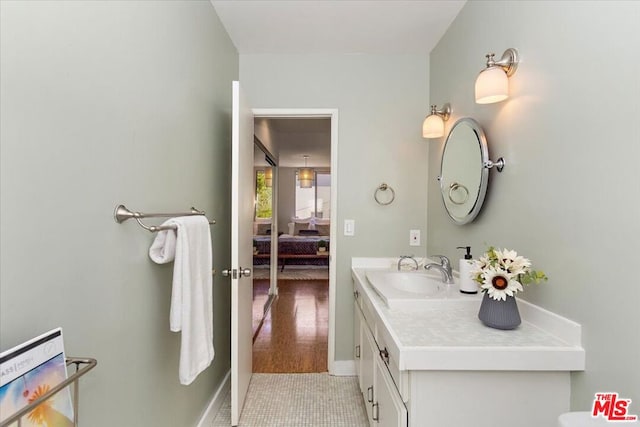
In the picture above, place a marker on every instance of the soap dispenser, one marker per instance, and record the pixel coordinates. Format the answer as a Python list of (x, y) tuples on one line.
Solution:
[(467, 284)]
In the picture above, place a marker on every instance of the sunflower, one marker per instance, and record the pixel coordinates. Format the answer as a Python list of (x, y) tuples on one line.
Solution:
[(511, 262), (499, 284)]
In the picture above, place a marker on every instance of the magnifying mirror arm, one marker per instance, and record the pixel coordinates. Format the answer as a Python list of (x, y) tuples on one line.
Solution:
[(499, 164)]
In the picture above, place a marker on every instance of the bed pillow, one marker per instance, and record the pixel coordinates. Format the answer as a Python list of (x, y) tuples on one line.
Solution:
[(297, 226), (301, 220), (300, 224), (263, 229), (260, 221), (323, 229), (318, 221)]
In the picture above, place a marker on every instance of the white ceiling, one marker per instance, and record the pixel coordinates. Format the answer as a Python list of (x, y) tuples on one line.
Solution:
[(294, 138), (336, 26), (330, 27)]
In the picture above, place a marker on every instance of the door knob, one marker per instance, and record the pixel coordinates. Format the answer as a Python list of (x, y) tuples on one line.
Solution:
[(230, 272), (246, 272)]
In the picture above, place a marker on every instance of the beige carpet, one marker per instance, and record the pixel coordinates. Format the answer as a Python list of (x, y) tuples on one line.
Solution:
[(294, 274)]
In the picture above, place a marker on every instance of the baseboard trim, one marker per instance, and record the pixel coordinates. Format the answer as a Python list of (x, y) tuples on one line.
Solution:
[(343, 368), (216, 402)]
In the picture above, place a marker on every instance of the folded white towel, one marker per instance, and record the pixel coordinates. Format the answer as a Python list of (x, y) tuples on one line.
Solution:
[(191, 295)]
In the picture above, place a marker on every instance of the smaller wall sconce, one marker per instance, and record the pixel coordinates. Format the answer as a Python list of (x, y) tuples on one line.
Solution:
[(492, 84), (433, 125)]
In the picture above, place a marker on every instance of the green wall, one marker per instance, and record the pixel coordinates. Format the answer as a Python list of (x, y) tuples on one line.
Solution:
[(106, 103), (569, 196), (381, 102)]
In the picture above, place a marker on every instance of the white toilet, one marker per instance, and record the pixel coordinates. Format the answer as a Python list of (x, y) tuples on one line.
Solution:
[(584, 419)]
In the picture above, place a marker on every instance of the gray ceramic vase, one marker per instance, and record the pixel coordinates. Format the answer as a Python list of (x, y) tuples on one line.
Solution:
[(499, 314)]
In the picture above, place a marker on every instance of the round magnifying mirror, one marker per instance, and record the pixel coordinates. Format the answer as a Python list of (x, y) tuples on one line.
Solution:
[(463, 176)]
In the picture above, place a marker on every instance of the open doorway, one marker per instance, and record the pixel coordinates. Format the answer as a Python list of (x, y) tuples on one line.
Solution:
[(296, 333)]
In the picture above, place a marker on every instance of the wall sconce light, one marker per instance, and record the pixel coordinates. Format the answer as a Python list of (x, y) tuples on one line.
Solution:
[(433, 125), (305, 175), (492, 84), (268, 177)]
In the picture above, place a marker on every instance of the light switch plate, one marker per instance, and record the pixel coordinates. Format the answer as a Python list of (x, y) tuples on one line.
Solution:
[(349, 227)]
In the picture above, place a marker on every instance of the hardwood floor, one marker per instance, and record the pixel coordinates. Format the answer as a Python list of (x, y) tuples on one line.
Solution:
[(293, 336)]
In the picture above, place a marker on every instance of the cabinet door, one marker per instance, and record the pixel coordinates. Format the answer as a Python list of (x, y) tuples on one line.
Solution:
[(388, 408), (369, 352), (357, 337)]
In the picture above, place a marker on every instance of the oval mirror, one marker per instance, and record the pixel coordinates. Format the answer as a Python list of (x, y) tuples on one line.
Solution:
[(463, 176)]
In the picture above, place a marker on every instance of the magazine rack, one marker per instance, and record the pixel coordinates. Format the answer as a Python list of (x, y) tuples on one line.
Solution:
[(87, 365)]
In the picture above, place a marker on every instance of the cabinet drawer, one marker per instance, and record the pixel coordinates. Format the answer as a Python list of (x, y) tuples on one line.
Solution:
[(368, 314), (391, 359), (389, 355)]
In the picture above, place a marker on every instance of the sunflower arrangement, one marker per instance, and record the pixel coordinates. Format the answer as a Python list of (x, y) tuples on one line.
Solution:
[(502, 273)]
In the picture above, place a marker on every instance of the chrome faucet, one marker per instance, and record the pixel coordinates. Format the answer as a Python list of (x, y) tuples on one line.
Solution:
[(444, 267), (403, 257)]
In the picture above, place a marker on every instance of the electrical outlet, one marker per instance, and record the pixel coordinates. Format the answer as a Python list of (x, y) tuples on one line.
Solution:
[(414, 237), (349, 227)]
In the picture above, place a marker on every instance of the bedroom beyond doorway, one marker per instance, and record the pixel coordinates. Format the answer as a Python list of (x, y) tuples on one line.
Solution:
[(298, 238)]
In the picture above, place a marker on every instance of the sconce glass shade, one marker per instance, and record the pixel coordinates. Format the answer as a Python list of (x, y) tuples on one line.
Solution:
[(268, 177), (492, 85), (305, 176), (433, 126)]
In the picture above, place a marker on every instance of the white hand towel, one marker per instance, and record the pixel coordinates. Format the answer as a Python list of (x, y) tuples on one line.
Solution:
[(191, 294)]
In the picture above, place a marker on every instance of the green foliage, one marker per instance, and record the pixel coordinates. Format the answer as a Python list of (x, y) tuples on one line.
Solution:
[(533, 277), (263, 197)]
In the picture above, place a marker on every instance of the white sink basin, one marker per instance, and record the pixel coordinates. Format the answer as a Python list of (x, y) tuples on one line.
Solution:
[(399, 287)]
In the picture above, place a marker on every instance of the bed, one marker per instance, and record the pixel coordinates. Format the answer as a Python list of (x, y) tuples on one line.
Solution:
[(300, 248)]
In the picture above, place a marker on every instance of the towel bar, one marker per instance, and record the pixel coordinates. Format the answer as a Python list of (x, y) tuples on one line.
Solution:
[(122, 213)]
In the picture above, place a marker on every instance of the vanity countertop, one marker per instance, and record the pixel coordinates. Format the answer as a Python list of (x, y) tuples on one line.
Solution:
[(447, 335)]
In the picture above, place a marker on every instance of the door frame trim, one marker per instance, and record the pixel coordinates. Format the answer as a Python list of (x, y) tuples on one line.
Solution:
[(331, 113)]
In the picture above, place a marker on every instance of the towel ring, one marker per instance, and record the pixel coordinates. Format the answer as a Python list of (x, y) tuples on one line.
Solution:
[(455, 186), (384, 187)]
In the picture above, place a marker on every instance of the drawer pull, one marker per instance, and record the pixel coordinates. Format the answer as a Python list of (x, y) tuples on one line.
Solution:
[(370, 394), (385, 355), (375, 412), (358, 352)]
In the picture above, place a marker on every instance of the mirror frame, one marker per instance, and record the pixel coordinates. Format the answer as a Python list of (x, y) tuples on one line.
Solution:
[(484, 171)]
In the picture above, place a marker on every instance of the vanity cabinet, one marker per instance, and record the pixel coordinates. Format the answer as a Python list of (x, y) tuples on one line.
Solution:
[(438, 366), (384, 405)]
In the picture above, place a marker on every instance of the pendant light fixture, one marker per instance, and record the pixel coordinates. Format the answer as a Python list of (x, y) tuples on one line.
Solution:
[(305, 175)]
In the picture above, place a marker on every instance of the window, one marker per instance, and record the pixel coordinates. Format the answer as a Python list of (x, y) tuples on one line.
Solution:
[(314, 201), (263, 196)]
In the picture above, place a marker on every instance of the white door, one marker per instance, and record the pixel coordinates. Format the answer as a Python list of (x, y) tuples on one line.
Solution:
[(241, 251)]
